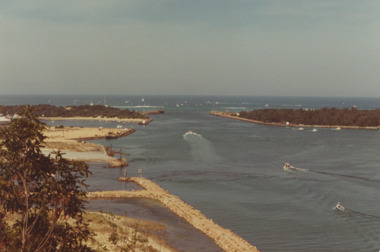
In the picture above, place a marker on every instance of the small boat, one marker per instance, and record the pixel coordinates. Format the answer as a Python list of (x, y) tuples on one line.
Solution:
[(339, 207), (314, 130), (288, 167), (301, 128)]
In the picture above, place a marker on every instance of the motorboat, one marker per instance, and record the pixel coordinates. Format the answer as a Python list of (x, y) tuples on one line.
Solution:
[(189, 133), (339, 207), (288, 167)]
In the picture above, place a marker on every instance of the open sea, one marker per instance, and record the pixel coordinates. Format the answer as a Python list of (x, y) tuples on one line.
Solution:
[(232, 171)]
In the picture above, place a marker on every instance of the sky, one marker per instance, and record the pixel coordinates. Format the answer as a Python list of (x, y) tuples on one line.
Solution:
[(191, 47)]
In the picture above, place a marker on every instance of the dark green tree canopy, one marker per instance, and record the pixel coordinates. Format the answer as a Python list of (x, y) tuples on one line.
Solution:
[(72, 111), (42, 192), (324, 116)]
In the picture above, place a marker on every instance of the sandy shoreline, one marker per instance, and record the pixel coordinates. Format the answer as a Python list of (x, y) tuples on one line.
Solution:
[(232, 116), (82, 118), (72, 142), (224, 238)]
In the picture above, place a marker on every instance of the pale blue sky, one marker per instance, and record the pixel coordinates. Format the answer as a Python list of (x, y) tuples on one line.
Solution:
[(213, 47)]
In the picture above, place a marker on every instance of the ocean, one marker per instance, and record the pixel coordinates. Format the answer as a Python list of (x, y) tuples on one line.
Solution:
[(232, 171)]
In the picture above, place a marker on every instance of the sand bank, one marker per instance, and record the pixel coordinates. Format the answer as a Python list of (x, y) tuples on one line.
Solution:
[(71, 141), (224, 238), (234, 116), (120, 233), (83, 133)]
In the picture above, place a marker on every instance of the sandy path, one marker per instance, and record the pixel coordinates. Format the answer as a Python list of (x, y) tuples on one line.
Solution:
[(224, 238)]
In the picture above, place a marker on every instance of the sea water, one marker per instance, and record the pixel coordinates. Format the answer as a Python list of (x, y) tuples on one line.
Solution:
[(232, 171)]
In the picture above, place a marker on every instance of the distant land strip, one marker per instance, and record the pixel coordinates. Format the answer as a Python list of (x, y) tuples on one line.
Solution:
[(284, 123), (89, 111)]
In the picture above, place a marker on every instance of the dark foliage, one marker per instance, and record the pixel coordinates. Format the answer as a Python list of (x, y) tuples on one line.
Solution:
[(71, 111), (324, 116), (43, 192)]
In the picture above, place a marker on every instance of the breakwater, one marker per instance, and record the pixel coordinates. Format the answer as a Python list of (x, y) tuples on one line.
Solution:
[(224, 238)]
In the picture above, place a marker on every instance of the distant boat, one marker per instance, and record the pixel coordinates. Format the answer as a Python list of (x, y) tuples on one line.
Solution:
[(339, 207), (288, 167), (301, 128), (314, 130), (144, 122)]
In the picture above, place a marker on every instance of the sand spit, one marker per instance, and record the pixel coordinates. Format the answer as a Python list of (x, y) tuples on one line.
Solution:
[(232, 115), (72, 142), (105, 119), (224, 238)]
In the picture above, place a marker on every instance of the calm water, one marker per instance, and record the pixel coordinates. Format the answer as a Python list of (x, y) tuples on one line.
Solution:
[(232, 170)]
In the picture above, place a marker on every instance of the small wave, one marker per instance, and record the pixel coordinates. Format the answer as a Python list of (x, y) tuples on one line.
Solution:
[(234, 107), (140, 106)]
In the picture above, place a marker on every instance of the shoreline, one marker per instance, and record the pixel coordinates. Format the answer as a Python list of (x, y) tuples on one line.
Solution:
[(83, 118), (224, 238), (231, 115), (72, 142)]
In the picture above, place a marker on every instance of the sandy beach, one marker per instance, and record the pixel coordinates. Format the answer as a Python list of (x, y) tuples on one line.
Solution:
[(224, 238), (120, 233)]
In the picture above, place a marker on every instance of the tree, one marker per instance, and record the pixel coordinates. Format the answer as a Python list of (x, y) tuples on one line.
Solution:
[(43, 195)]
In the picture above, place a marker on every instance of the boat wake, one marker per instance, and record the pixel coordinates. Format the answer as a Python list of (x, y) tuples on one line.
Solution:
[(191, 133), (289, 168), (201, 148)]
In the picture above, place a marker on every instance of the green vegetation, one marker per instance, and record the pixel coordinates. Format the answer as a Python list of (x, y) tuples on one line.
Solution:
[(71, 111), (324, 116), (41, 196)]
